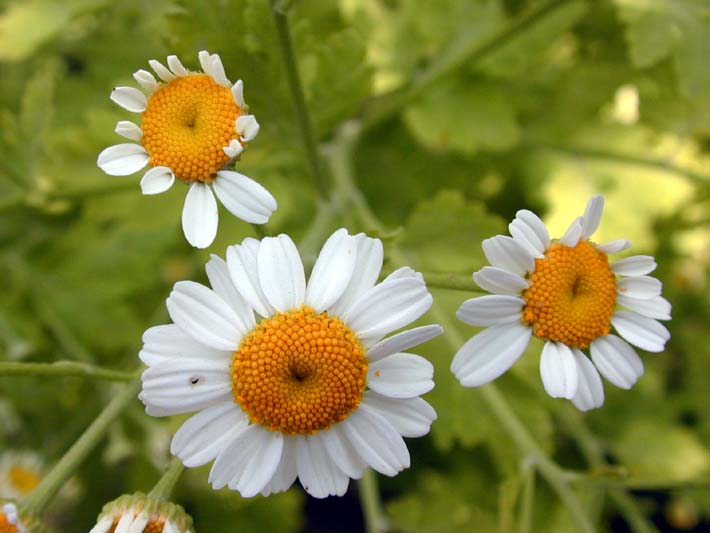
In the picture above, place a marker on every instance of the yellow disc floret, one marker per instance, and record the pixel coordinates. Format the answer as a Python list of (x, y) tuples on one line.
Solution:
[(23, 479), (572, 295), (186, 125), (299, 372)]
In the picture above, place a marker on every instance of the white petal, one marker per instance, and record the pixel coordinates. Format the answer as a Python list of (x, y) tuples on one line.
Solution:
[(508, 254), (244, 197), (176, 66), (411, 417), (242, 264), (405, 272), (238, 94), (247, 127), (217, 71), (281, 273), (157, 180), (139, 523), (639, 287), (401, 375), (218, 274), (127, 129), (487, 355), (592, 215), (403, 341), (249, 462), (341, 451), (130, 99), (377, 442), (636, 265), (124, 523), (103, 525), (203, 436), (204, 57), (499, 281), (286, 471), (204, 316), (332, 271), (186, 385), (657, 307), (234, 149), (317, 472), (162, 72), (490, 310), (529, 229), (646, 333), (590, 391), (122, 159), (166, 343), (169, 527), (573, 234), (199, 216), (613, 247), (616, 361), (558, 370), (368, 264), (146, 80), (388, 306)]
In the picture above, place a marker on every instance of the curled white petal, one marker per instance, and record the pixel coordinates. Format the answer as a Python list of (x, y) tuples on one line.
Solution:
[(157, 180), (162, 72), (129, 130), (613, 247), (238, 94), (573, 234), (592, 215), (122, 159), (146, 80), (247, 127), (177, 67), (234, 149), (130, 99)]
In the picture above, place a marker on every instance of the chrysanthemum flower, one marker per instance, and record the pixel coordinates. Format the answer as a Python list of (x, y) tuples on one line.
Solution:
[(193, 124), (20, 472), (567, 294), (311, 389), (138, 513)]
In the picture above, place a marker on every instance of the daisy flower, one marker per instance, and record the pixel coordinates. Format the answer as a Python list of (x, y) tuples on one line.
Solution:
[(12, 520), (138, 513), (292, 379), (20, 473), (193, 125), (567, 294)]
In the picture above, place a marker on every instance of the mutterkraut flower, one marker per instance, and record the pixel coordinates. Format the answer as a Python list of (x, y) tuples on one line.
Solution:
[(566, 293), (292, 379), (193, 125)]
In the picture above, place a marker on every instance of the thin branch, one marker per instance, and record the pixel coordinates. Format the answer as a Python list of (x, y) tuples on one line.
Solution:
[(62, 369), (165, 485), (375, 517), (456, 282)]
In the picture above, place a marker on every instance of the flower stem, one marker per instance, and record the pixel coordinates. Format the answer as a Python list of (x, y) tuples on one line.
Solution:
[(375, 517), (67, 465), (449, 280), (64, 369), (299, 101), (165, 485)]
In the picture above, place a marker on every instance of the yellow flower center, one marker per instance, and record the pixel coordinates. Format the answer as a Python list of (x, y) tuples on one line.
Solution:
[(572, 295), (187, 123), (5, 526), (155, 525), (23, 479), (299, 372)]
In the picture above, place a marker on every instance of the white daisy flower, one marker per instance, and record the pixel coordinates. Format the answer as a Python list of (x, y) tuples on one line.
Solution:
[(193, 124), (566, 293), (138, 513), (20, 473), (292, 379)]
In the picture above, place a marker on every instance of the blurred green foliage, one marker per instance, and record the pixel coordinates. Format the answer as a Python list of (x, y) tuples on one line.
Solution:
[(471, 110)]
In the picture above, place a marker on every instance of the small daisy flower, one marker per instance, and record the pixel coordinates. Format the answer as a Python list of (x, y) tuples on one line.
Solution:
[(193, 125), (138, 513), (292, 379), (566, 293), (12, 520), (20, 473)]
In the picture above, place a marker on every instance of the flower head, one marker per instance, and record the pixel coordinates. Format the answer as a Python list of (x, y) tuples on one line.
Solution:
[(292, 379), (567, 294), (12, 520), (138, 513), (20, 472), (193, 124)]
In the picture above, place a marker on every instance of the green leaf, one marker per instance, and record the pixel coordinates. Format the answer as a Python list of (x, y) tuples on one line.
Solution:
[(482, 119)]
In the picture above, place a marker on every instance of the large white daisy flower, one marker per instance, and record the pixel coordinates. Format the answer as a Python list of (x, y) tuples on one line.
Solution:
[(311, 389), (193, 124), (566, 293)]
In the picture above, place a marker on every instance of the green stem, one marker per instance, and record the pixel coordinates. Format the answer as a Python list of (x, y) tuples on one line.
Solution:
[(526, 507), (467, 49), (456, 282), (299, 102), (165, 485), (64, 369), (375, 517), (68, 464), (260, 231)]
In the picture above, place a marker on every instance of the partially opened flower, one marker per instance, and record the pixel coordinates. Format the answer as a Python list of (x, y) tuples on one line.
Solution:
[(138, 513), (566, 293), (193, 124), (292, 379)]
